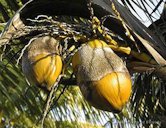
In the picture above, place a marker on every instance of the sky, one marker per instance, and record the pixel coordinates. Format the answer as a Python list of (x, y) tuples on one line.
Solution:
[(144, 18)]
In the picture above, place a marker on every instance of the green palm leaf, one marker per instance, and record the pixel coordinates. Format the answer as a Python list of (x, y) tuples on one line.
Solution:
[(22, 105)]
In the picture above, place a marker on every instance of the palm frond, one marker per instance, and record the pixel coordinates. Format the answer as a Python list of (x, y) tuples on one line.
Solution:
[(22, 105)]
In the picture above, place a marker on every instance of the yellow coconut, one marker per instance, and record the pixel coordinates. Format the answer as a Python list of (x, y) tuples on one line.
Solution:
[(41, 63), (102, 76)]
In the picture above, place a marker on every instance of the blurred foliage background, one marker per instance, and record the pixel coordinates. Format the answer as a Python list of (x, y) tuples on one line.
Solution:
[(22, 105)]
